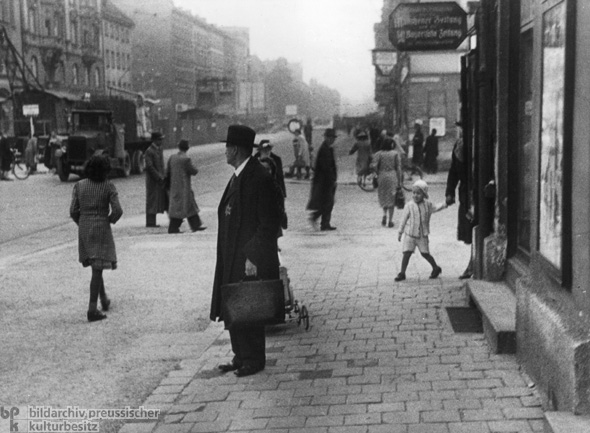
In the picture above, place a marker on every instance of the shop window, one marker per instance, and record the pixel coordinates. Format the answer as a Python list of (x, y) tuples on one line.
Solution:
[(554, 240), (525, 173), (75, 75)]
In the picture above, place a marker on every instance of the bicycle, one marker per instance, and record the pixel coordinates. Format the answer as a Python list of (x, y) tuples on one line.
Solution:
[(18, 167)]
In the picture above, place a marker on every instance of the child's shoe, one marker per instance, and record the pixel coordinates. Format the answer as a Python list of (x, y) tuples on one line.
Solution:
[(436, 272), (400, 277)]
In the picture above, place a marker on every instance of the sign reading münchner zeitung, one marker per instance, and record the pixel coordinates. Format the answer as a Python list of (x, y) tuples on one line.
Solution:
[(427, 26)]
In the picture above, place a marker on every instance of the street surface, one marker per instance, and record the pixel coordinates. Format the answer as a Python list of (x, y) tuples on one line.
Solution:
[(380, 355)]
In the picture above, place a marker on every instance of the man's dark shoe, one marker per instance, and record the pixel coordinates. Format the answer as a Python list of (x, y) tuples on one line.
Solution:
[(94, 316), (400, 277), (106, 305), (435, 272), (328, 228), (152, 225), (225, 368), (247, 370), (198, 229)]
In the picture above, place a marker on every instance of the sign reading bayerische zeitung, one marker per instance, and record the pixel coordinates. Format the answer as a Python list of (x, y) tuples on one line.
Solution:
[(427, 26)]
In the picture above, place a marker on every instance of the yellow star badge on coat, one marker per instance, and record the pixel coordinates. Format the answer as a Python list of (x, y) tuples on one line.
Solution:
[(228, 210)]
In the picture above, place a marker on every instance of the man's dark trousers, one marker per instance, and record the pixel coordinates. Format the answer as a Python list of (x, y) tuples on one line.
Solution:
[(249, 346), (194, 223)]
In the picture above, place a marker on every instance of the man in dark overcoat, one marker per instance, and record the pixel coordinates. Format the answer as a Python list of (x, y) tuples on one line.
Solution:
[(246, 243), (323, 186), (418, 144), (156, 195)]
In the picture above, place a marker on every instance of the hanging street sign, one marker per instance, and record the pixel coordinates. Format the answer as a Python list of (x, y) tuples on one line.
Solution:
[(433, 26)]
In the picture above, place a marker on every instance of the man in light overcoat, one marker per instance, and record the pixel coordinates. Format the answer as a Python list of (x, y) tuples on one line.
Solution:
[(182, 198)]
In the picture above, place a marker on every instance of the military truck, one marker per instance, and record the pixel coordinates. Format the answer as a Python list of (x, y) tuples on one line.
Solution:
[(111, 127), (119, 128)]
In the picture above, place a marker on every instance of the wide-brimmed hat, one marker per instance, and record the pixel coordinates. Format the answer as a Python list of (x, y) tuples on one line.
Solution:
[(157, 136), (330, 132), (459, 123), (183, 145), (418, 122), (362, 134), (240, 135), (423, 186)]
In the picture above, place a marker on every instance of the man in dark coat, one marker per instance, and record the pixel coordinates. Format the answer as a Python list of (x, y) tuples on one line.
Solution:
[(418, 144), (156, 195), (458, 175), (323, 186), (431, 153), (5, 157), (249, 220), (265, 151)]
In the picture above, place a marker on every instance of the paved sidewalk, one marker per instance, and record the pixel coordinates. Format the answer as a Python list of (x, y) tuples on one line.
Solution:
[(380, 356)]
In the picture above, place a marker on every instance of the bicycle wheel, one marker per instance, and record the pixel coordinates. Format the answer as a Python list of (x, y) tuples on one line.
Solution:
[(20, 170), (367, 182)]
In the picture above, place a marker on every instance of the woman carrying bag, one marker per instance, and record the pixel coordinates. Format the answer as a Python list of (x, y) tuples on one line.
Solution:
[(386, 163)]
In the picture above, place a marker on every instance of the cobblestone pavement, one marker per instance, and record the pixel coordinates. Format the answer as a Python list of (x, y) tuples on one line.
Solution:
[(379, 356)]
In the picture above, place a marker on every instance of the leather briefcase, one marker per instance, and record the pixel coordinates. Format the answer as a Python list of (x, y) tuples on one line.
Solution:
[(253, 303)]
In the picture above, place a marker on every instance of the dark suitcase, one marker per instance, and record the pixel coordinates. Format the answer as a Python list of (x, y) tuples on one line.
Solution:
[(250, 303)]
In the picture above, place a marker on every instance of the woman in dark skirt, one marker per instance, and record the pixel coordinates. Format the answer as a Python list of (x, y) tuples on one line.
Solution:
[(95, 206)]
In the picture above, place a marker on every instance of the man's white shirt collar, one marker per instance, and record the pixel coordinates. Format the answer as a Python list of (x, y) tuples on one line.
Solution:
[(241, 167)]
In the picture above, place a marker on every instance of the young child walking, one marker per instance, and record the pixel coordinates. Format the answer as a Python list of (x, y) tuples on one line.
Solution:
[(415, 226)]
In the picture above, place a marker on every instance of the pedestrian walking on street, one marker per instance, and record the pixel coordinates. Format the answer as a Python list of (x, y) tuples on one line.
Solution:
[(418, 144), (31, 154), (265, 151), (362, 148), (431, 153), (5, 157), (95, 206), (415, 228), (323, 186), (246, 243), (183, 205), (156, 195), (308, 132), (387, 165), (458, 176), (301, 154)]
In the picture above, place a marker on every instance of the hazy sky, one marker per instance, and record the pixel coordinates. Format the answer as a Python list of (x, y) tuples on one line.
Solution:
[(331, 38)]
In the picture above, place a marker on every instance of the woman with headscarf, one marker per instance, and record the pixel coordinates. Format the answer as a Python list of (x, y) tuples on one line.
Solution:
[(387, 164)]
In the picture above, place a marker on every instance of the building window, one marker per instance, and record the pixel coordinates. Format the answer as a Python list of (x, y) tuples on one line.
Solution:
[(33, 20), (35, 67), (74, 27), (107, 58), (5, 11), (97, 77), (75, 77), (87, 76), (554, 239), (525, 172)]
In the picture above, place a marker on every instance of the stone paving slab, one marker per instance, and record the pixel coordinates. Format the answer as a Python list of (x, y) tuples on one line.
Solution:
[(379, 356)]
